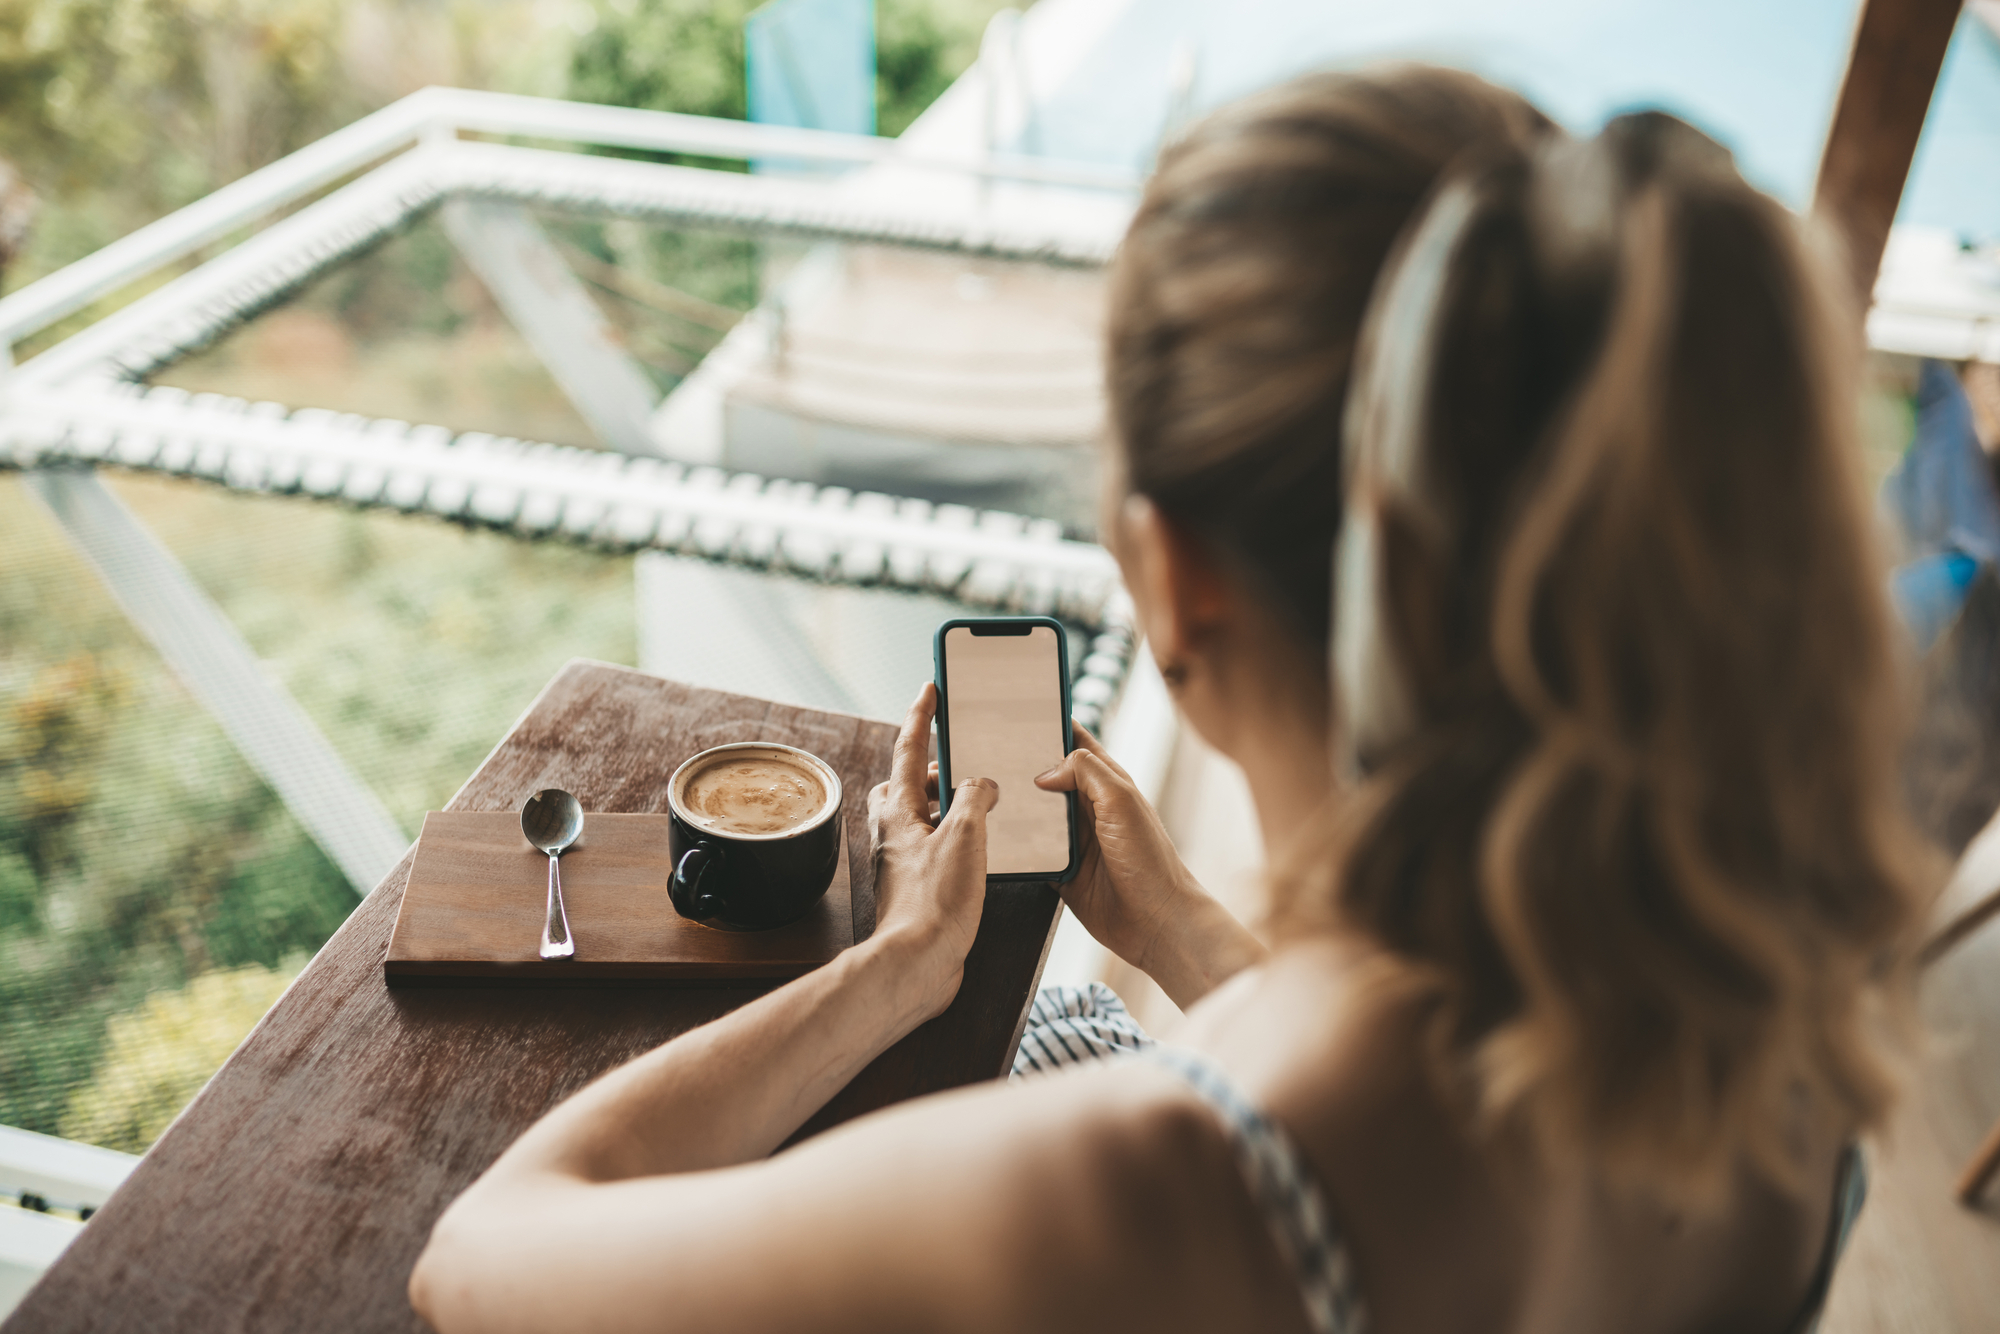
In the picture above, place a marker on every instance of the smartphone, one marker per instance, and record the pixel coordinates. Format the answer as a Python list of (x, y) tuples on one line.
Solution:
[(1003, 714)]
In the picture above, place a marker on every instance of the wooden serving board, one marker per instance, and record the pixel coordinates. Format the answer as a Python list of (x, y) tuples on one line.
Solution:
[(472, 914)]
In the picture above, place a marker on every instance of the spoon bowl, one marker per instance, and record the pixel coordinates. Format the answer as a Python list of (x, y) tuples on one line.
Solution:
[(552, 820)]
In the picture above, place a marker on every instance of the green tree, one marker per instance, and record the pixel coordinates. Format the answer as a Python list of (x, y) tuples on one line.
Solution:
[(160, 101), (687, 55), (666, 55), (119, 111), (136, 850), (921, 46)]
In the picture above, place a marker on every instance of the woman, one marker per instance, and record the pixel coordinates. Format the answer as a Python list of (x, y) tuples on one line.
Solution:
[(1567, 1025)]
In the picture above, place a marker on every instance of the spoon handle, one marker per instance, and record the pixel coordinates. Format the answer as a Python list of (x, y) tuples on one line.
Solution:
[(556, 943)]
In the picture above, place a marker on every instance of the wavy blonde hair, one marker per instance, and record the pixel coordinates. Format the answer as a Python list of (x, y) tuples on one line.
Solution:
[(1615, 664)]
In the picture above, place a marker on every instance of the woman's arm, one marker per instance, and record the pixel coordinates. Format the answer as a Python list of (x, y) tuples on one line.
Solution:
[(1098, 1202), (1133, 892), (733, 1090), (1104, 1201)]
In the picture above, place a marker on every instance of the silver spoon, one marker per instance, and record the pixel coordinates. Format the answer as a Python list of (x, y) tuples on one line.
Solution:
[(553, 819)]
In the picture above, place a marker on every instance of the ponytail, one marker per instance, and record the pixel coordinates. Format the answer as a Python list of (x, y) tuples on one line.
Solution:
[(1613, 667)]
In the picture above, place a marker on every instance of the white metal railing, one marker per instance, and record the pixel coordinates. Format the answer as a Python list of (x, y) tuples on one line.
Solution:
[(44, 1172), (550, 490), (60, 1172), (29, 1244), (1934, 298), (444, 113), (76, 403), (199, 305)]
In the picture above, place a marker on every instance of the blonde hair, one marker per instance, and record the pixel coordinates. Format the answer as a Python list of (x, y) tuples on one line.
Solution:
[(1615, 665)]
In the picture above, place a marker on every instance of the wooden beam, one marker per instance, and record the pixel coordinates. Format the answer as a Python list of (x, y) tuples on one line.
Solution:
[(1899, 48), (1979, 1172)]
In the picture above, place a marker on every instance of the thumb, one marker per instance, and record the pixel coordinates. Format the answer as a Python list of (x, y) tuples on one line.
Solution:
[(1065, 777), (970, 802), (1088, 773)]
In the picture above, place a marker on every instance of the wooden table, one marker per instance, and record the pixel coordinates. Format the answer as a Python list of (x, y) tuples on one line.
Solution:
[(296, 1190)]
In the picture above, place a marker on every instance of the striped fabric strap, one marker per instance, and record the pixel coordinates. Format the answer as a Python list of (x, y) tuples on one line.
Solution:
[(1850, 1192), (1075, 1025), (1285, 1189), (1079, 1025)]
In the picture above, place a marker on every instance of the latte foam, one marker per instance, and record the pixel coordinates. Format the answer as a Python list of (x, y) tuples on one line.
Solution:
[(753, 794)]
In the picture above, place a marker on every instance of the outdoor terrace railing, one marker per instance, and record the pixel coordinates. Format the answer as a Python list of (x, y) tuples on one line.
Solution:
[(437, 115)]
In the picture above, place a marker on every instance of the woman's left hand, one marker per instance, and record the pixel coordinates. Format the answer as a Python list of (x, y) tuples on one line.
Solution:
[(930, 879)]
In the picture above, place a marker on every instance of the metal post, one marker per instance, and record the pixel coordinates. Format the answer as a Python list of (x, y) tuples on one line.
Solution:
[(547, 303), (999, 64), (265, 724)]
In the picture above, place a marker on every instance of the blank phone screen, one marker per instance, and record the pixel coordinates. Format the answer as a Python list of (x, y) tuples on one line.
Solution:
[(1003, 697)]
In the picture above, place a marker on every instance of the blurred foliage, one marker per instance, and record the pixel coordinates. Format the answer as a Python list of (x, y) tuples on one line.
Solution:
[(138, 853), (136, 850), (220, 85), (920, 47), (687, 55), (117, 111), (666, 55), (412, 642), (158, 1057)]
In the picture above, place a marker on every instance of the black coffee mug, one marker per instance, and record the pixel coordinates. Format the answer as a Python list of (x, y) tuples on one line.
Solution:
[(752, 882)]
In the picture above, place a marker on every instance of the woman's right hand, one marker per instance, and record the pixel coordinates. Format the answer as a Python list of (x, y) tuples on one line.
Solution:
[(1132, 891)]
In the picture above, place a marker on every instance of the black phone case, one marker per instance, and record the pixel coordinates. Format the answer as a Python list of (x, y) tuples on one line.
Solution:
[(1067, 873)]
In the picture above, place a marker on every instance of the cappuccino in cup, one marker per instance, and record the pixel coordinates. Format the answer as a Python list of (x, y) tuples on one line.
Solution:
[(753, 793), (754, 835)]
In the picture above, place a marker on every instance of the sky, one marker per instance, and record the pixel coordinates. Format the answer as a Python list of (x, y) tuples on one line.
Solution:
[(1758, 75)]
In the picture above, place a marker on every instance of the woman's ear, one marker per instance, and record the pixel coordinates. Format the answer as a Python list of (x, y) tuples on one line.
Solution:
[(1177, 593)]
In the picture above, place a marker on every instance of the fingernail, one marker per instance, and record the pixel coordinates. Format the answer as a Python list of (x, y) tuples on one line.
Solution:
[(1048, 773)]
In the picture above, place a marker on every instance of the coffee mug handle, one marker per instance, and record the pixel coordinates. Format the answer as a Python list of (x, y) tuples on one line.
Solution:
[(695, 865)]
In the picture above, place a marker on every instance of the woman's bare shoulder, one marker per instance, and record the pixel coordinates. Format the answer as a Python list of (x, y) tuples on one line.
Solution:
[(1098, 1200), (1101, 1198)]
